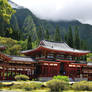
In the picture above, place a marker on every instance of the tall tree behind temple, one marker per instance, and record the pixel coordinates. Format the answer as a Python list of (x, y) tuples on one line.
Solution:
[(5, 15), (46, 35), (29, 43), (65, 37), (29, 27), (70, 37), (76, 38), (40, 33), (83, 45), (57, 36)]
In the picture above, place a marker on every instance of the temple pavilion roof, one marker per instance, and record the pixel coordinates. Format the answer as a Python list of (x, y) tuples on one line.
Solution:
[(60, 46), (57, 47), (19, 58)]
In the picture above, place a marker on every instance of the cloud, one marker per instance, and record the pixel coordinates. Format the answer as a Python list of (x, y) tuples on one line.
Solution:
[(57, 10)]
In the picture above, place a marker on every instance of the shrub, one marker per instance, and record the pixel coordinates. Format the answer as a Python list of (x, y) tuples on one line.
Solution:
[(1, 85), (82, 86), (89, 86), (21, 77), (18, 86), (27, 86), (57, 85), (33, 86), (63, 78)]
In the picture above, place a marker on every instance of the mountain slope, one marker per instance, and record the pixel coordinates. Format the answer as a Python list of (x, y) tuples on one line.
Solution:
[(28, 23)]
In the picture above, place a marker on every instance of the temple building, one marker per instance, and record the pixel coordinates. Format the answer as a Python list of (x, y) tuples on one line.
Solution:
[(45, 61)]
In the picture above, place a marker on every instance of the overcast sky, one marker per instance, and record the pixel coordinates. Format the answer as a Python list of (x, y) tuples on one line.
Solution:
[(60, 9)]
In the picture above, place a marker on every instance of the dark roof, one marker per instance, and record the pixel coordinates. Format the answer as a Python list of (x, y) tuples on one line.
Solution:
[(59, 46), (2, 47), (26, 59), (89, 63)]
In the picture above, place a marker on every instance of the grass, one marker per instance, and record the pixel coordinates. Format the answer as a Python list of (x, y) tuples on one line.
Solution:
[(75, 91), (37, 90), (42, 90)]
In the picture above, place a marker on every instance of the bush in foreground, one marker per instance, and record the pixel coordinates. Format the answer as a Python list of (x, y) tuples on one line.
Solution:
[(27, 86), (21, 77), (63, 78), (33, 86), (82, 86), (57, 85), (1, 85)]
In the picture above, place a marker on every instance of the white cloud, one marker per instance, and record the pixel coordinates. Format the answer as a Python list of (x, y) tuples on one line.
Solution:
[(60, 9)]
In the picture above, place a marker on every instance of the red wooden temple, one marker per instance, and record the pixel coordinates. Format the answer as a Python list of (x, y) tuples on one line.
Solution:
[(47, 60)]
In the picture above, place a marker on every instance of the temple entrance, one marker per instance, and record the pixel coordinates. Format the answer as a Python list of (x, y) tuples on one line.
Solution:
[(49, 69), (62, 68), (90, 77)]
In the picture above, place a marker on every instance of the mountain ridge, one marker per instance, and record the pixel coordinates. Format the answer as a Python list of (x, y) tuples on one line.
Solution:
[(28, 23)]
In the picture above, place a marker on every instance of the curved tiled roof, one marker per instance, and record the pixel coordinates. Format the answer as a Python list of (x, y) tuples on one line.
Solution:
[(56, 46), (18, 58), (60, 46)]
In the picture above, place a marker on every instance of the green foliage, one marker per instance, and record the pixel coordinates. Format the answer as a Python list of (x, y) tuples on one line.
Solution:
[(46, 35), (76, 38), (57, 85), (29, 24), (13, 46), (57, 36), (70, 37), (40, 33), (6, 11), (83, 45), (33, 86), (1, 85), (63, 78), (29, 43), (30, 28), (82, 85), (27, 86), (15, 50), (89, 57), (21, 77), (24, 23)]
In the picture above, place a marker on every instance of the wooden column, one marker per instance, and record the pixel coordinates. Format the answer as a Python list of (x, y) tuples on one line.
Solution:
[(15, 71), (7, 74), (3, 73)]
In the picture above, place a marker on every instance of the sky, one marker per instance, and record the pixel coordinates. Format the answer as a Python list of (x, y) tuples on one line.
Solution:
[(57, 10)]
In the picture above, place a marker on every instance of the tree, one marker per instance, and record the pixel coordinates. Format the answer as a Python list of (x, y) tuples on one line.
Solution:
[(29, 43), (83, 44), (70, 37), (40, 33), (6, 12), (13, 46), (46, 35), (29, 27), (15, 50), (65, 37), (76, 38), (57, 36)]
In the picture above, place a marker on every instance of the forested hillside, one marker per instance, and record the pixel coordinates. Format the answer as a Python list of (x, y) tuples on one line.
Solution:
[(26, 28), (28, 23)]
